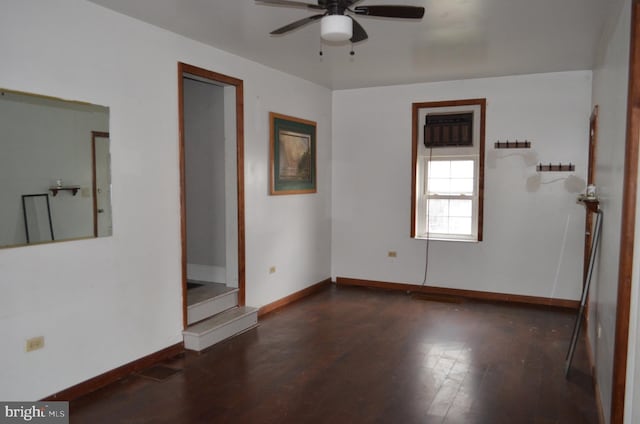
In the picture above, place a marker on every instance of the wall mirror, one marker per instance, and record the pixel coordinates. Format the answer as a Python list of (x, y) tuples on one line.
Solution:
[(55, 170)]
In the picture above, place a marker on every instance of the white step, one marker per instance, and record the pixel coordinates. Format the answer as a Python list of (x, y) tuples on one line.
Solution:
[(220, 327), (206, 301)]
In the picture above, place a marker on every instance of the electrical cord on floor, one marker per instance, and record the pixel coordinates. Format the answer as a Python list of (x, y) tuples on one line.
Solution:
[(426, 262), (426, 254)]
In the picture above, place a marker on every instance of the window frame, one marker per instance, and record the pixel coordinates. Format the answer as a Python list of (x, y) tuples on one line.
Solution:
[(419, 199), (424, 198)]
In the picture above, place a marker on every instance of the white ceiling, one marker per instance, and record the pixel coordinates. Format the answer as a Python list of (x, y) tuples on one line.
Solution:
[(456, 39)]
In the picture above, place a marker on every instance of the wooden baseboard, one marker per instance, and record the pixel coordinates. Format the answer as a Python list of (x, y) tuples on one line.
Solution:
[(466, 294), (293, 297), (116, 374), (594, 375)]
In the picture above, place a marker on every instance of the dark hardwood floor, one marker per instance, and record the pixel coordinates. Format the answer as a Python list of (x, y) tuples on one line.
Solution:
[(356, 355)]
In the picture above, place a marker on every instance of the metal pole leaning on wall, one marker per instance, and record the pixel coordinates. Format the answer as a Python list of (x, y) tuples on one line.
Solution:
[(585, 293)]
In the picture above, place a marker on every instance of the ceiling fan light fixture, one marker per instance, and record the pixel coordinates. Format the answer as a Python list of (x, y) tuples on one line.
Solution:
[(336, 28)]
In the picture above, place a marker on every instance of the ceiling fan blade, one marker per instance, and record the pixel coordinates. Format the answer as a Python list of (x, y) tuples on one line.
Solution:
[(406, 12), (359, 34), (295, 25), (290, 4)]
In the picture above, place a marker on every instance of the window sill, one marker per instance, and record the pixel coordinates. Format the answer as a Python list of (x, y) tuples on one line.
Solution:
[(443, 238)]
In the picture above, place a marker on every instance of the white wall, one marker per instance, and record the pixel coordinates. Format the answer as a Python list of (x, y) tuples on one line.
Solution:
[(231, 189), (204, 130), (532, 237), (104, 302), (610, 93)]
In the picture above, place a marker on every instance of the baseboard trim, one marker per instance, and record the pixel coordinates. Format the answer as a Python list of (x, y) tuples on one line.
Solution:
[(592, 368), (294, 297), (116, 374), (466, 294)]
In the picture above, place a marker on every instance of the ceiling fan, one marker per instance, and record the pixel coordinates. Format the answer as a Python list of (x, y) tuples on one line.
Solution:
[(335, 24)]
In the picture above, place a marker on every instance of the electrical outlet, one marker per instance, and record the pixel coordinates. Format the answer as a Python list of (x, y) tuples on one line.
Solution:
[(392, 254), (34, 343), (272, 270)]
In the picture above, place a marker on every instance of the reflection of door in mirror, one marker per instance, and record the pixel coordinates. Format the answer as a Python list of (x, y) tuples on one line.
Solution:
[(101, 184), (37, 218)]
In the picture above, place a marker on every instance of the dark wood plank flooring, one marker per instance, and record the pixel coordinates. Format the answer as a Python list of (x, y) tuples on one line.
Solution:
[(356, 355)]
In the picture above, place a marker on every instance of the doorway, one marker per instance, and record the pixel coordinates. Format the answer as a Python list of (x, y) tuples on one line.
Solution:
[(101, 187), (591, 180), (211, 180)]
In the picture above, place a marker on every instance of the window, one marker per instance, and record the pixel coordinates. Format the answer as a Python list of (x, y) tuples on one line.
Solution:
[(448, 177), (449, 197)]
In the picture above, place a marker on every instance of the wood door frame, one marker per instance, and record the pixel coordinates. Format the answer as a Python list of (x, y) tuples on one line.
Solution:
[(627, 226), (239, 87), (591, 179), (94, 187)]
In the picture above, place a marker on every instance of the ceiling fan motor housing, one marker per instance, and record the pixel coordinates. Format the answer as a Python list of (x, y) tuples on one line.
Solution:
[(336, 28)]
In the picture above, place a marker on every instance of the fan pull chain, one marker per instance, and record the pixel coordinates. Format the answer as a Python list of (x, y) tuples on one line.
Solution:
[(321, 53)]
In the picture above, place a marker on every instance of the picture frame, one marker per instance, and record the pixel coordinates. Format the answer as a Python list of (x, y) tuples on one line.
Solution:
[(292, 155)]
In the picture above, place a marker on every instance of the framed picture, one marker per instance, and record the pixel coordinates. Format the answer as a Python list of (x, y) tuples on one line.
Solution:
[(292, 155)]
